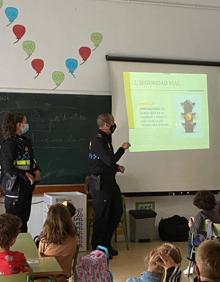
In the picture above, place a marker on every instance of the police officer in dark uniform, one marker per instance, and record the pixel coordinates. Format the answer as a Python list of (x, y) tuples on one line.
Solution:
[(105, 192), (19, 171)]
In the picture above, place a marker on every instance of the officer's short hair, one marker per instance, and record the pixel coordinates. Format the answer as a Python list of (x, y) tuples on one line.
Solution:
[(104, 118)]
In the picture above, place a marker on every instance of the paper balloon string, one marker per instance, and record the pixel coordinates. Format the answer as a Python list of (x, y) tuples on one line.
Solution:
[(96, 38), (12, 14), (58, 78), (1, 3), (71, 65), (28, 47), (19, 31), (85, 53), (37, 65)]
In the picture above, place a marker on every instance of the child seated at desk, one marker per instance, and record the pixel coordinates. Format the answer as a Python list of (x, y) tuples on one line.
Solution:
[(58, 238), (11, 262), (209, 209)]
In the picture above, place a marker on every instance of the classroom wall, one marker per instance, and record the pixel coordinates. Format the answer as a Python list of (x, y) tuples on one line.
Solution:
[(165, 206), (128, 29)]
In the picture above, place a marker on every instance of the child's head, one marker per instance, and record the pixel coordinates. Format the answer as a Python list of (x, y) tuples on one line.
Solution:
[(58, 225), (70, 207), (172, 251), (9, 228), (204, 200), (208, 260), (164, 249)]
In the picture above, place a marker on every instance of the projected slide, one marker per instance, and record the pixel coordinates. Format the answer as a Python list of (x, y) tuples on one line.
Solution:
[(166, 111)]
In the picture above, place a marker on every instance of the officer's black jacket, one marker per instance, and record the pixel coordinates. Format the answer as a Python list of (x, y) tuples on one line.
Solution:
[(11, 150), (102, 159)]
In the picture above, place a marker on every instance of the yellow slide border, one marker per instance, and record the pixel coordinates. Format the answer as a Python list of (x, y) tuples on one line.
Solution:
[(127, 89)]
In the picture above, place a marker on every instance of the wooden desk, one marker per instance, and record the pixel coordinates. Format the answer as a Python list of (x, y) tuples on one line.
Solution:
[(40, 265), (45, 266), (20, 277), (26, 245)]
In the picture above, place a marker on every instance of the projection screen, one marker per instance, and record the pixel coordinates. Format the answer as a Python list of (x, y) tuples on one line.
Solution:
[(169, 111)]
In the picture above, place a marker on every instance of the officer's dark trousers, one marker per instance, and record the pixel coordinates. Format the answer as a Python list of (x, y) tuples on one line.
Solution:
[(107, 205), (20, 206)]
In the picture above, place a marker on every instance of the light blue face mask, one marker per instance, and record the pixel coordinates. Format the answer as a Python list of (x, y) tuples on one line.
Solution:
[(25, 128)]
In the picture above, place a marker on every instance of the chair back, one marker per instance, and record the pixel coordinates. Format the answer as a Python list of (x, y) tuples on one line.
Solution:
[(75, 258), (212, 229)]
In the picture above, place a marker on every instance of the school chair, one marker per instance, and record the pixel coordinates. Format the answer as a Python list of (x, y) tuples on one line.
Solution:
[(20, 277), (50, 278), (75, 258), (90, 213), (212, 231)]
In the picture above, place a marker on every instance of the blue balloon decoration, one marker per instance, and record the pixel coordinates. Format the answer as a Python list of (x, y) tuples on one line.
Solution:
[(71, 65), (11, 13)]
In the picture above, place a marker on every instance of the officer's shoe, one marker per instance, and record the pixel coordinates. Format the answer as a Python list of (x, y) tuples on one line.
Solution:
[(113, 252)]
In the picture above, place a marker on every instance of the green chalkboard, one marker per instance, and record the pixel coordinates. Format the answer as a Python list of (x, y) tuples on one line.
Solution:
[(61, 126)]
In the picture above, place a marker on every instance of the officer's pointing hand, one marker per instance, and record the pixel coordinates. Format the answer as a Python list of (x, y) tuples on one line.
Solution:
[(121, 168), (126, 145)]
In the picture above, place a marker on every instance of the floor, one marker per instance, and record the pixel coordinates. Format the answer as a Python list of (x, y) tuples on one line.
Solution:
[(131, 262)]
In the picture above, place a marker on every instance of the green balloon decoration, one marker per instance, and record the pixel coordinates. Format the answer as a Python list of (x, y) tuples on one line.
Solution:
[(1, 3), (29, 47), (58, 78), (96, 38)]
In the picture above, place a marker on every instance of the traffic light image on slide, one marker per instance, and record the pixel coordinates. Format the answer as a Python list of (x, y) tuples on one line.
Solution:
[(188, 116)]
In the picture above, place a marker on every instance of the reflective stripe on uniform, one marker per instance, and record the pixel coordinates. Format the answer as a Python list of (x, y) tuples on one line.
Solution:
[(23, 167), (10, 196), (22, 164)]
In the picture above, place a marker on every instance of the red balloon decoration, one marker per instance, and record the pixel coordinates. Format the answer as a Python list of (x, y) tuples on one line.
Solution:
[(37, 65), (84, 52), (19, 31)]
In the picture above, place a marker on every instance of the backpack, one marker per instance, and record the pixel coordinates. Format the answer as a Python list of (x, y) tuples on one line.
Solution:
[(174, 229), (93, 268)]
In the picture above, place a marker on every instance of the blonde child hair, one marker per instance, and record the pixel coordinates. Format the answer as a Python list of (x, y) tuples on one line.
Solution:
[(58, 225), (58, 238), (208, 261), (168, 249)]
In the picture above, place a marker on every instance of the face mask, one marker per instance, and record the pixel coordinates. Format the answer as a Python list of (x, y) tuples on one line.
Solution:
[(113, 127), (25, 128)]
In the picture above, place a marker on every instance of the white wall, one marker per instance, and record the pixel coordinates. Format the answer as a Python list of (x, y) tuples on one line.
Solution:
[(165, 206), (36, 218), (60, 28)]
